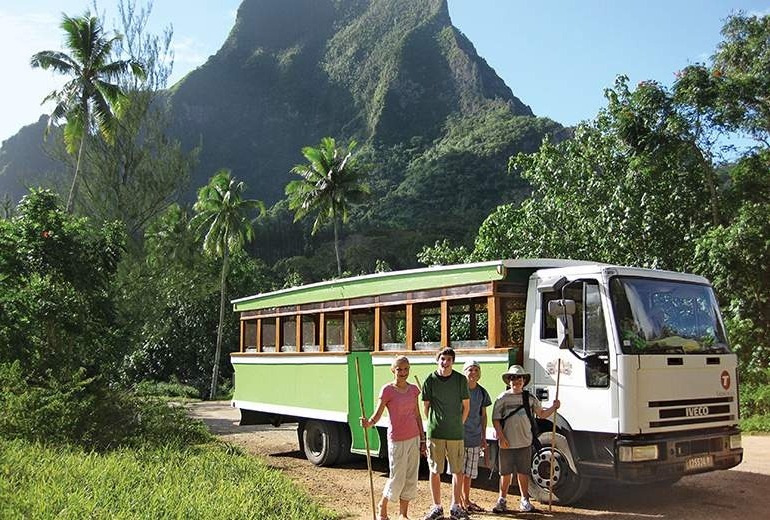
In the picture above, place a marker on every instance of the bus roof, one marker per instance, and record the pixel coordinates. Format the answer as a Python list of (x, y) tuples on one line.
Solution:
[(398, 281)]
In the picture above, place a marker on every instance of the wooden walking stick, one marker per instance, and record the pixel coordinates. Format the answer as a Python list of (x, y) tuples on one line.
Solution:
[(366, 439), (553, 439)]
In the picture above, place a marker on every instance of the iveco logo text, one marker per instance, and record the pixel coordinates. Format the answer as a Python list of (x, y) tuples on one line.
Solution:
[(696, 411)]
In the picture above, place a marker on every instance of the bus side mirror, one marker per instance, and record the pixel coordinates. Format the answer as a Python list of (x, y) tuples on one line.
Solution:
[(562, 310)]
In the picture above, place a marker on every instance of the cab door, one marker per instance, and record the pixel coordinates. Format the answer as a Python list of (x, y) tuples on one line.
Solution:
[(587, 402)]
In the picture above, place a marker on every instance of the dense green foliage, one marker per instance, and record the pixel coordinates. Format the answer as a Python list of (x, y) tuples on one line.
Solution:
[(628, 188), (60, 348), (212, 482), (55, 280), (169, 301)]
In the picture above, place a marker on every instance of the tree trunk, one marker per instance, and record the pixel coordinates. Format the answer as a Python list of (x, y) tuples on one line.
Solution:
[(220, 328), (73, 188), (337, 249)]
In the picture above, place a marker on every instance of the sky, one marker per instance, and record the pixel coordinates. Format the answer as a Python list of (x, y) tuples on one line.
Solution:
[(557, 56)]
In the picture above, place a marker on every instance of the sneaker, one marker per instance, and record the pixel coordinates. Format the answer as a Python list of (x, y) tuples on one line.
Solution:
[(500, 506), (525, 505), (436, 513), (458, 513)]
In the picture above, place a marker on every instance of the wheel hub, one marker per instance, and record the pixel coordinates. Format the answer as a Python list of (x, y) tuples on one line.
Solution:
[(541, 467)]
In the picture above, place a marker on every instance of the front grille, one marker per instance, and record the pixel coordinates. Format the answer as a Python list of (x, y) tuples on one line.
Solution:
[(699, 446), (689, 402), (679, 412)]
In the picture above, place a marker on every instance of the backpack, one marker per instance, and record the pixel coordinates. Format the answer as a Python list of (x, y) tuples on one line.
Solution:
[(532, 423)]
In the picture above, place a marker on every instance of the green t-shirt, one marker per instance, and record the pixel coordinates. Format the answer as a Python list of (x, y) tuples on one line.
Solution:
[(446, 395)]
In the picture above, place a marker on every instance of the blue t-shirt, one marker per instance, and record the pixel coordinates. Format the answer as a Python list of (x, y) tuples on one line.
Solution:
[(473, 427)]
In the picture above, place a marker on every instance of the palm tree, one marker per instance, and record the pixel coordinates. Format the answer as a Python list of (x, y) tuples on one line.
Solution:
[(221, 213), (330, 184), (90, 100)]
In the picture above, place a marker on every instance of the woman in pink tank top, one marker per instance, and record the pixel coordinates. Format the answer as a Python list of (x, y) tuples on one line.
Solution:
[(406, 438)]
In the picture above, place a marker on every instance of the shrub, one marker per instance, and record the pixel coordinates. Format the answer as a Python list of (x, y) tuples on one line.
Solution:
[(85, 412)]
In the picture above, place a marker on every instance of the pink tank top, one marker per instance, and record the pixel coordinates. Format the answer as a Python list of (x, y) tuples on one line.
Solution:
[(401, 411)]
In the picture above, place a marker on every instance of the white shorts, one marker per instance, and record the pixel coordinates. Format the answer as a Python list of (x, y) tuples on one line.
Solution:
[(404, 461)]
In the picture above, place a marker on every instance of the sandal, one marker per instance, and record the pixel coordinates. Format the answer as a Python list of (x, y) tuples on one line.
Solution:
[(475, 508)]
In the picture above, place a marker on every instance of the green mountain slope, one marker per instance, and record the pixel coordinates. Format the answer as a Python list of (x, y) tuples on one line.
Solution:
[(26, 160), (435, 122)]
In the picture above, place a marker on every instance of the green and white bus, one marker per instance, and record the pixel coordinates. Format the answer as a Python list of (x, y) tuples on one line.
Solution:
[(648, 385)]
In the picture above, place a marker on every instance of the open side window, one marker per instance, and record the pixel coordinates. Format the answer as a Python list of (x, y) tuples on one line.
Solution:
[(591, 341)]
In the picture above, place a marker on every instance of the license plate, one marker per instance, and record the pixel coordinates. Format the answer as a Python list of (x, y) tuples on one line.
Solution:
[(698, 463)]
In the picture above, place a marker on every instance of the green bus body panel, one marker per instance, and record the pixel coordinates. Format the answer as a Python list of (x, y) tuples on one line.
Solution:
[(354, 402), (316, 386), (335, 387), (385, 283)]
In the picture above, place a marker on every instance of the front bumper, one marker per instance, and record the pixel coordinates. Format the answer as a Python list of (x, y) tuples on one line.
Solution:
[(687, 454)]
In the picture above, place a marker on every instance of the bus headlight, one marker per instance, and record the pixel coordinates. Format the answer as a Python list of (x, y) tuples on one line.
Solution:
[(735, 441), (638, 453)]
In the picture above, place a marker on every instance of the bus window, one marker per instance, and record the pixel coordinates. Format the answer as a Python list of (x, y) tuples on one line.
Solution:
[(310, 341), (594, 325), (268, 335), (288, 333), (393, 327), (335, 332), (468, 323), (513, 312), (573, 291), (590, 329), (428, 325), (362, 330), (250, 336)]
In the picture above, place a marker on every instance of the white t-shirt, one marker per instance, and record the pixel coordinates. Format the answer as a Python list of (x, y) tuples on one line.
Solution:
[(517, 429)]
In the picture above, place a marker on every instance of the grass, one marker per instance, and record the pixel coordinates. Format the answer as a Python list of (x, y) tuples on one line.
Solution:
[(210, 481)]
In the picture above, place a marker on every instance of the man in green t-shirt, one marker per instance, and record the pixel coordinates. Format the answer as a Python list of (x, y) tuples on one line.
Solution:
[(446, 400)]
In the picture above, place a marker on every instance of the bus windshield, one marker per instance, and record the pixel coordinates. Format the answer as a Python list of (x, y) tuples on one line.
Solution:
[(666, 317)]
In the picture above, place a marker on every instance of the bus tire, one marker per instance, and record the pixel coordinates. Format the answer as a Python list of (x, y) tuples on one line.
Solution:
[(321, 442), (345, 455), (568, 485)]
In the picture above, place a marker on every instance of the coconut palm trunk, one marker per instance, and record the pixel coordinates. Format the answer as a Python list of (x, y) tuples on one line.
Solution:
[(337, 247), (221, 326), (73, 187)]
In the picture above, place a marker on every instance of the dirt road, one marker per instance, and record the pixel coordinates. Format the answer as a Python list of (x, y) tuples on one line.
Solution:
[(740, 493)]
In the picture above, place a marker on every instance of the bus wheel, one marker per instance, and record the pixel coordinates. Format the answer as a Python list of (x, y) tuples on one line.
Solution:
[(568, 486), (321, 442)]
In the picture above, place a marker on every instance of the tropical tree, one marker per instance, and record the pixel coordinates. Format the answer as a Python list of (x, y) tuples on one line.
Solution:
[(136, 177), (331, 182), (221, 216), (91, 100), (628, 188)]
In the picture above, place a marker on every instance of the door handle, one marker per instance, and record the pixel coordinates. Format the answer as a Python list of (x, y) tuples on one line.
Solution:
[(541, 394)]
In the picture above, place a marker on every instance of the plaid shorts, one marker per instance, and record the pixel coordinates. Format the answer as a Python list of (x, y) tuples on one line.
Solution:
[(471, 461)]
